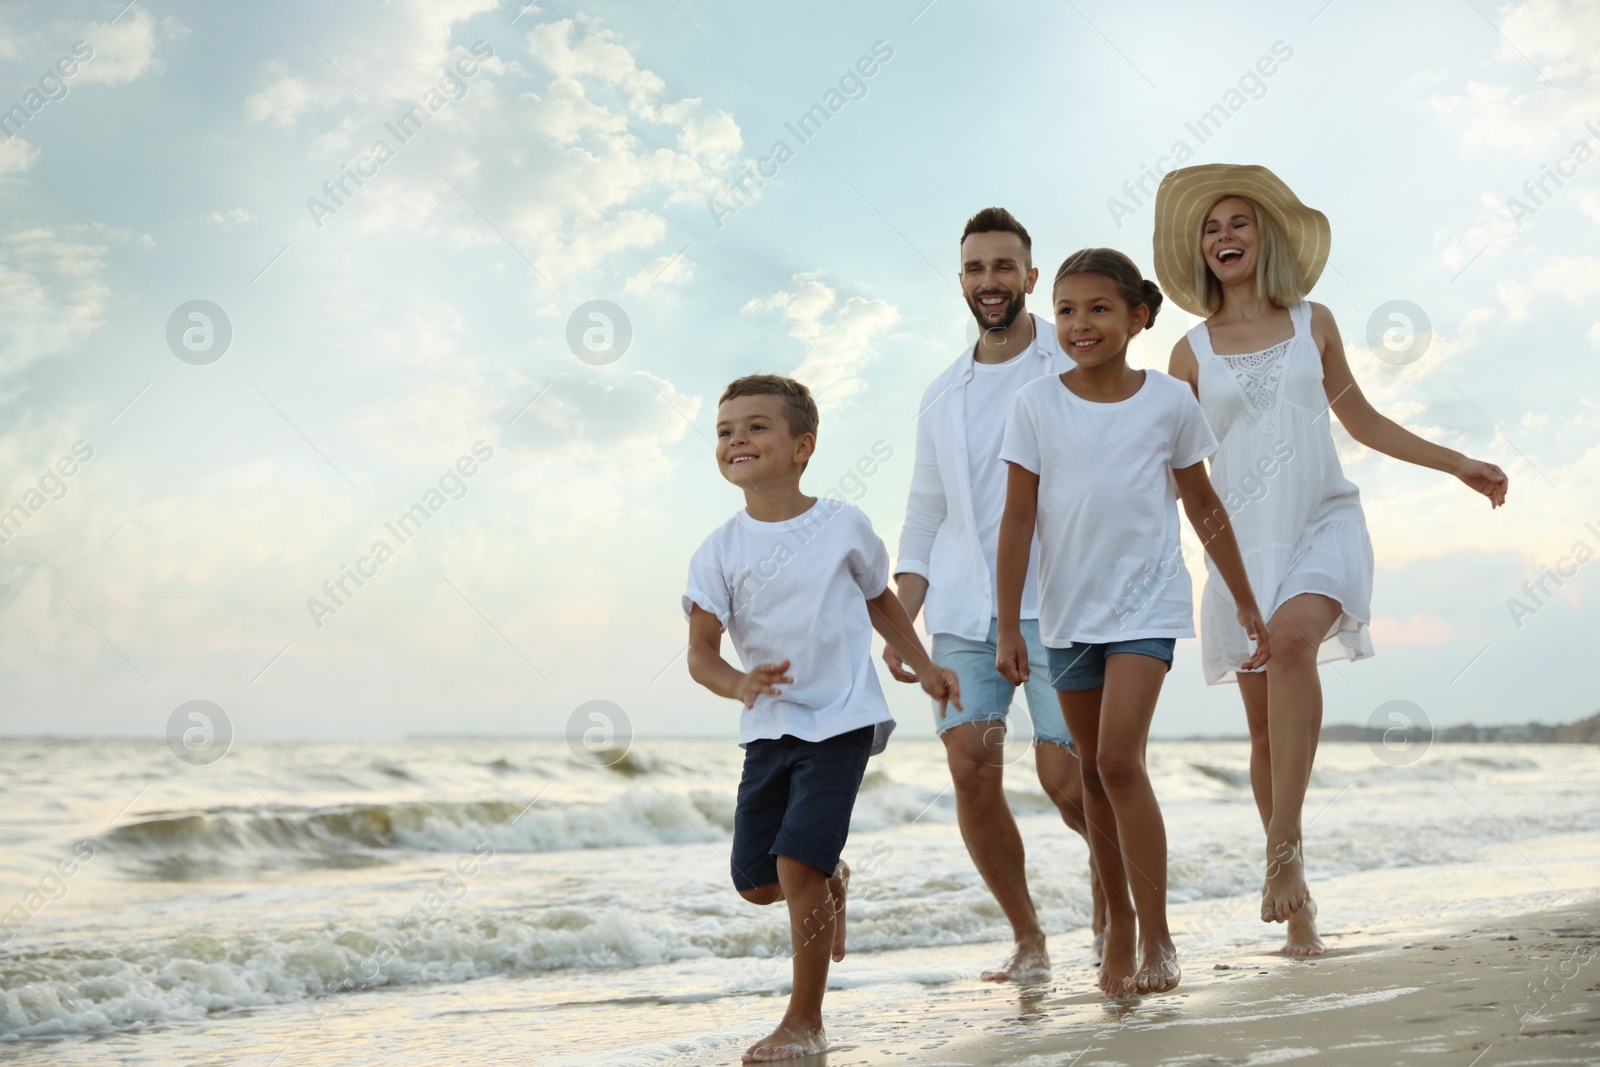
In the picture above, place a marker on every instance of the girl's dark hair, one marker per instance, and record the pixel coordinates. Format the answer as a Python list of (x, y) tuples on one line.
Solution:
[(1133, 287)]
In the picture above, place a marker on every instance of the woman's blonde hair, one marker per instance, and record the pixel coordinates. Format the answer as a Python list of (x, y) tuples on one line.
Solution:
[(1277, 275)]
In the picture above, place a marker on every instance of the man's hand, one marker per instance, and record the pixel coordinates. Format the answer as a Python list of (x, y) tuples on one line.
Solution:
[(897, 666), (763, 679)]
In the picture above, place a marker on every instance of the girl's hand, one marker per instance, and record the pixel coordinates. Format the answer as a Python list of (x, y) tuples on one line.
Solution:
[(762, 680), (1485, 478), (942, 685), (1254, 625), (897, 666), (1011, 658)]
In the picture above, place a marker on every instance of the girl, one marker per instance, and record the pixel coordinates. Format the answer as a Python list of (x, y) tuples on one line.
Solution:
[(1236, 247), (1093, 456)]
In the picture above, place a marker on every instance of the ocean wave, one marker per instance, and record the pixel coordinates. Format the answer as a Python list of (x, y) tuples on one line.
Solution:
[(184, 845)]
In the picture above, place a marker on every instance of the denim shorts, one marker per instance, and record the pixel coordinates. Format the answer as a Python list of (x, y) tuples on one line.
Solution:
[(1082, 665), (795, 800), (984, 690)]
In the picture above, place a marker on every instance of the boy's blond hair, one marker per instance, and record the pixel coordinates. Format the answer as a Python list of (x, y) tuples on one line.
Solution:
[(799, 410), (1277, 275)]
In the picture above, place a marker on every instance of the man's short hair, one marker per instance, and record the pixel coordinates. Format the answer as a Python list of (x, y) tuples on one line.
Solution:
[(999, 220), (799, 410)]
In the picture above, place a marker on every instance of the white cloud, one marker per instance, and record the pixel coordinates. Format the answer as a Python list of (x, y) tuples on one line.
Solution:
[(123, 50), (1572, 278), (839, 340), (663, 271), (52, 295)]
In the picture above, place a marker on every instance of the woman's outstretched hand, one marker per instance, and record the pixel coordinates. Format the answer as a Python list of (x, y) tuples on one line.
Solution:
[(1484, 478)]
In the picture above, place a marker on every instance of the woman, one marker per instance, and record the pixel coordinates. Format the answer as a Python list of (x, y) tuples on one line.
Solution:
[(1235, 246)]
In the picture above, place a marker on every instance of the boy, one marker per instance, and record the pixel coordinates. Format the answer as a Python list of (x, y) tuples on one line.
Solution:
[(800, 584)]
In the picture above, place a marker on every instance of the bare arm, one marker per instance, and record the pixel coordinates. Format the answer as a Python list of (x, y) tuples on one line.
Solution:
[(889, 618), (707, 666), (1380, 433), (1209, 518), (1183, 366), (1011, 569)]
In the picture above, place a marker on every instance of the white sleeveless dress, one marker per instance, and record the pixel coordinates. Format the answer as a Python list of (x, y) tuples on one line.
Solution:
[(1297, 518)]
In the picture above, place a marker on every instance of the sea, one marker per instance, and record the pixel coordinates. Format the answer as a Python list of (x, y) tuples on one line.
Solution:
[(511, 901)]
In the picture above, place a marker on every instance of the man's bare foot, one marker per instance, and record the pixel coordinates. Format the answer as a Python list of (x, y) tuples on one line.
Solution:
[(838, 885), (787, 1043), (1030, 960), (1158, 972), (1303, 939), (1284, 891), (1098, 946), (1117, 959)]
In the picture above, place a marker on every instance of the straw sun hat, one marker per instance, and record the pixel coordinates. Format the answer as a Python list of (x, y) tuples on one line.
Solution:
[(1186, 196)]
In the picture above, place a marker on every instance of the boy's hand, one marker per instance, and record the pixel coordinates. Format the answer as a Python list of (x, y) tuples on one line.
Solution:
[(1485, 478), (942, 685), (897, 666), (762, 680), (1250, 618), (1011, 658)]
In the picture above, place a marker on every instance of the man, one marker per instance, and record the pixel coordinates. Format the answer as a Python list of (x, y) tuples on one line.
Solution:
[(946, 568)]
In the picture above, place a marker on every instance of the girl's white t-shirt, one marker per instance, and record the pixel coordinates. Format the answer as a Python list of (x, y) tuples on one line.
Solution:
[(797, 590), (1110, 563)]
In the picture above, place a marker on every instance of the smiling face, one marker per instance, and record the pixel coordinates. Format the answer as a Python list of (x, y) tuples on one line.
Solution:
[(1093, 321), (995, 277), (1230, 240), (756, 449)]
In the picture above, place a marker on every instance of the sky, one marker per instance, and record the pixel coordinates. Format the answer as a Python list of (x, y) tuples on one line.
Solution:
[(275, 276)]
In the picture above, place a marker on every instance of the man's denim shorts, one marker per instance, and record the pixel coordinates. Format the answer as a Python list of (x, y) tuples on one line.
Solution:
[(1082, 665), (985, 691), (795, 800)]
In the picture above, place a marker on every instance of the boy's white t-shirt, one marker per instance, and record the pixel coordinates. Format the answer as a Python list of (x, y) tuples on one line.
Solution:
[(798, 591), (989, 394), (1110, 566)]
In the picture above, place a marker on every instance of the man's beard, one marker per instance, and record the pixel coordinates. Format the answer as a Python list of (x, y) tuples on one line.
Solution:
[(1012, 310)]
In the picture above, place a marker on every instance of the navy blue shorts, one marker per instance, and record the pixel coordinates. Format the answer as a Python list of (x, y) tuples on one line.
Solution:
[(795, 799)]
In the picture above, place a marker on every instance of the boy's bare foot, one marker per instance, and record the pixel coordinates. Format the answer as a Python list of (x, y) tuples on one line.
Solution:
[(1030, 960), (1284, 891), (839, 884), (787, 1043), (1117, 959), (1303, 939), (1158, 972), (1098, 947)]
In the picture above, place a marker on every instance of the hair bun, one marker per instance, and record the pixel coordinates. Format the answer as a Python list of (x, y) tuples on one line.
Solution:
[(1153, 298)]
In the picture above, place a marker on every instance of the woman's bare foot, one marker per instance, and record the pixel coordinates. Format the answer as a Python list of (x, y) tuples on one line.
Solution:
[(787, 1043), (1284, 891), (1117, 959), (1030, 960), (839, 884), (1303, 939), (1158, 972)]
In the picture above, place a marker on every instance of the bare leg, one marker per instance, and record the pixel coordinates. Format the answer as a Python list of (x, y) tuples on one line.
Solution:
[(1117, 961), (1303, 939), (1294, 719), (976, 754), (1133, 683), (811, 926), (1062, 780)]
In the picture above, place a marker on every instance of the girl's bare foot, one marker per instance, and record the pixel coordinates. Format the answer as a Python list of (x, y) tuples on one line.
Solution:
[(1303, 939), (839, 884), (1030, 960), (1117, 959), (1284, 891), (787, 1043), (1158, 971)]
